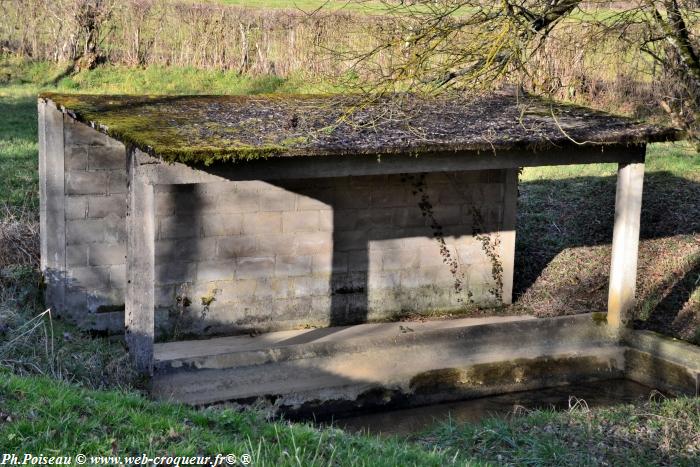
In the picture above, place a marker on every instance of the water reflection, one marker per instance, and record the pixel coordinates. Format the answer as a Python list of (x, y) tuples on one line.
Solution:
[(413, 420)]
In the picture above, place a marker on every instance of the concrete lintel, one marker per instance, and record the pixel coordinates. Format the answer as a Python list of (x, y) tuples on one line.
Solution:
[(625, 245), (139, 321), (340, 166)]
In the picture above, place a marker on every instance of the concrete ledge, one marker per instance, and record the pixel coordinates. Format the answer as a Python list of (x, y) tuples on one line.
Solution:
[(346, 369), (440, 339), (662, 362), (392, 364), (664, 347), (382, 334)]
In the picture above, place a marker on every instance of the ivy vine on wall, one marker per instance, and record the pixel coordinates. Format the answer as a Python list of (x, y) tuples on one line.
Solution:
[(419, 190), (490, 243)]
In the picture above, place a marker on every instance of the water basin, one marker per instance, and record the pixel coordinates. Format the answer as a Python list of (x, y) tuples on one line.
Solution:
[(404, 422)]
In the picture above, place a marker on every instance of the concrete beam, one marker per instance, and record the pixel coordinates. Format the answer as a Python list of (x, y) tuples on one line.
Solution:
[(278, 168), (52, 224), (625, 246), (140, 303)]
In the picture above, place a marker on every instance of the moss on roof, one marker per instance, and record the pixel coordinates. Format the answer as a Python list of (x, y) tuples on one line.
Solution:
[(210, 129)]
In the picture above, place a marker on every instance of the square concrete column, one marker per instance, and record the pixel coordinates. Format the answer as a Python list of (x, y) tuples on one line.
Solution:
[(140, 264), (507, 247), (623, 268), (52, 224)]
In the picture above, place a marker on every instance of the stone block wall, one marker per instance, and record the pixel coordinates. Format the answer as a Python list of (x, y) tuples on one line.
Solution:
[(263, 255), (83, 210), (95, 211)]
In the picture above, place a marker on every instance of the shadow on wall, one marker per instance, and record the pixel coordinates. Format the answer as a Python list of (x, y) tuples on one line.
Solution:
[(256, 256), (425, 273), (554, 275)]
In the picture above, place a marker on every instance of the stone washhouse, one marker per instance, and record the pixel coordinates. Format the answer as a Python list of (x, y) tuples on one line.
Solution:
[(301, 249)]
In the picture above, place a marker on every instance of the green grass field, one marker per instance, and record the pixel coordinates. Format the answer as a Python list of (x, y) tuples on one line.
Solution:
[(41, 415), (57, 391)]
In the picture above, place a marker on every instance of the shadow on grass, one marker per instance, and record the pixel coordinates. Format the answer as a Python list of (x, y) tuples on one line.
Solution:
[(671, 315), (557, 217)]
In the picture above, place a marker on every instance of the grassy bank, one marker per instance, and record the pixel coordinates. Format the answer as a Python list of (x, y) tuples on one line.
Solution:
[(39, 415)]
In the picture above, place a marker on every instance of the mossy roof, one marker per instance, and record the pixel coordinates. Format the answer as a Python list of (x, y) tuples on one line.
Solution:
[(212, 129)]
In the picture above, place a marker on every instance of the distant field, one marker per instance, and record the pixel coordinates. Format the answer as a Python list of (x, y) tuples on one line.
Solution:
[(308, 5), (364, 6)]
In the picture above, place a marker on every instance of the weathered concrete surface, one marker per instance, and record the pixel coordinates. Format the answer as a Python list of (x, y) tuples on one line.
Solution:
[(405, 361), (52, 225), (401, 364), (82, 208), (139, 319), (625, 246), (189, 352), (662, 362)]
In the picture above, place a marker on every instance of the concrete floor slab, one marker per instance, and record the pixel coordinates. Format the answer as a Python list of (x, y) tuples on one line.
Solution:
[(199, 348)]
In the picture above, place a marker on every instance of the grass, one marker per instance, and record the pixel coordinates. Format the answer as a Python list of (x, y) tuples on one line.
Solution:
[(565, 227), (661, 432), (32, 343), (41, 415), (18, 146)]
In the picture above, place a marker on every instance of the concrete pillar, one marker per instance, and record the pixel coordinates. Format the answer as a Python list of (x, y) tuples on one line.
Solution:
[(507, 252), (140, 258), (623, 267), (52, 223)]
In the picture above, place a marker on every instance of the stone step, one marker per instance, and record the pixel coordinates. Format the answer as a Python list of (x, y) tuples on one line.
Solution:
[(190, 351)]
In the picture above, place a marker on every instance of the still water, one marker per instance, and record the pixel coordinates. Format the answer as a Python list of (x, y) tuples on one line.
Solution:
[(414, 420)]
